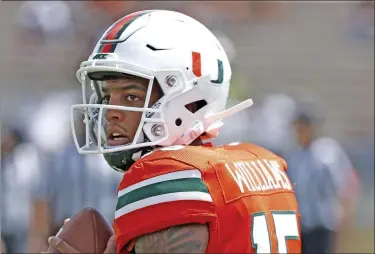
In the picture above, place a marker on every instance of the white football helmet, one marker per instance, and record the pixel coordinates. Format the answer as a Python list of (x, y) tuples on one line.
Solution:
[(186, 60)]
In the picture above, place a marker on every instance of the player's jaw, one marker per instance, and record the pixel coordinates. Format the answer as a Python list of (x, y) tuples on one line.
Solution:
[(117, 135)]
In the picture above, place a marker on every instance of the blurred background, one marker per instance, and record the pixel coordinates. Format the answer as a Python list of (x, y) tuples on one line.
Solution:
[(308, 66)]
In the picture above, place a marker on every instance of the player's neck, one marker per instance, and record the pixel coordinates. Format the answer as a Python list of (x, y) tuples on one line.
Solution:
[(197, 142)]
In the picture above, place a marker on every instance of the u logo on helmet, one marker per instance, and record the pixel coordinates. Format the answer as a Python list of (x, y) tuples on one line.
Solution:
[(197, 68)]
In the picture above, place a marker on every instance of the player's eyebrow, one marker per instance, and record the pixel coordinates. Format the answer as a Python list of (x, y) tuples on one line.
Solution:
[(124, 88)]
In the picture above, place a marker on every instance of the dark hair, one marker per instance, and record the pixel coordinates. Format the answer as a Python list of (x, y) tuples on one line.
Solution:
[(307, 114), (304, 119)]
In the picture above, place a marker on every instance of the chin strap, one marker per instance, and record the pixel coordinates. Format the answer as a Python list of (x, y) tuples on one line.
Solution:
[(121, 161)]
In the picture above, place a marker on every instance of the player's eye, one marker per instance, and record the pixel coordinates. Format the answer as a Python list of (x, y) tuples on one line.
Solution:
[(132, 97)]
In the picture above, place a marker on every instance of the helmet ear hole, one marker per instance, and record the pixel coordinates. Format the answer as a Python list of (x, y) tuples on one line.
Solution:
[(178, 122), (193, 107)]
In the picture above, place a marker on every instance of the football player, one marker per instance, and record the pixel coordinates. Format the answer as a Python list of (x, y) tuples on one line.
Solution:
[(154, 91)]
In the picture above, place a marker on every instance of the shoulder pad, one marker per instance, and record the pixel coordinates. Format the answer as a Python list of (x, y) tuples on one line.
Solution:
[(256, 150)]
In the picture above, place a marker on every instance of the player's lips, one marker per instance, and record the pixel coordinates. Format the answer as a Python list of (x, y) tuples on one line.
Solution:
[(116, 136)]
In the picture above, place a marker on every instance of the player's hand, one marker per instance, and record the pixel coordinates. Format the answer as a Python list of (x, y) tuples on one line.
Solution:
[(60, 245), (64, 247), (54, 241), (111, 246)]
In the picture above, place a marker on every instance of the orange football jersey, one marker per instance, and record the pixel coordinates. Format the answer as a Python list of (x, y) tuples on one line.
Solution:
[(239, 190)]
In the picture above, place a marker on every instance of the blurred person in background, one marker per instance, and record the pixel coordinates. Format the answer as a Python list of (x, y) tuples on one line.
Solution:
[(362, 21), (2, 246), (270, 125), (38, 27), (324, 183), (69, 181), (20, 163)]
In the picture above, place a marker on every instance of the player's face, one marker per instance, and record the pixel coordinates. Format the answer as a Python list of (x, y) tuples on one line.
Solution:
[(122, 125)]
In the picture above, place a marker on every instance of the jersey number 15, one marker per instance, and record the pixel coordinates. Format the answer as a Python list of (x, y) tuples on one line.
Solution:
[(286, 228)]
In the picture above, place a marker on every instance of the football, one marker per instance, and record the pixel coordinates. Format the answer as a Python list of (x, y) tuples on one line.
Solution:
[(87, 232)]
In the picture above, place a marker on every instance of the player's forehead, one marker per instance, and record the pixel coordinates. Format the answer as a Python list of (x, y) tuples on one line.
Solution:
[(124, 82)]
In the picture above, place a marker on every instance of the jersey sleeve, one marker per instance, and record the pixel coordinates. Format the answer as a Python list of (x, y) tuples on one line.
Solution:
[(149, 202)]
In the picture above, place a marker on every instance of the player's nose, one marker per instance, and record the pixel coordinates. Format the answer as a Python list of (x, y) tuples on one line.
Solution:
[(114, 115)]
